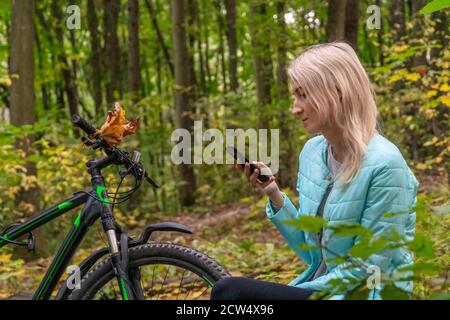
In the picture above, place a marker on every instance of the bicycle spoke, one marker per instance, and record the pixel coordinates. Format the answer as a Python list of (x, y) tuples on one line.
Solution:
[(165, 277), (202, 293), (181, 282)]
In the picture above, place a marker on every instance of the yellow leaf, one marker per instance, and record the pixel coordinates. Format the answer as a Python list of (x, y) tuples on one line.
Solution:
[(395, 77), (413, 76), (446, 100), (445, 88), (5, 257), (421, 166), (400, 48), (5, 81), (435, 86), (431, 93)]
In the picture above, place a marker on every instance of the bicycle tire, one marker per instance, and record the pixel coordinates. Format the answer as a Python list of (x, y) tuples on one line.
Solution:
[(151, 254)]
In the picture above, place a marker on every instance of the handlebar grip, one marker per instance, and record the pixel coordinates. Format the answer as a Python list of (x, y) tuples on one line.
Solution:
[(83, 124)]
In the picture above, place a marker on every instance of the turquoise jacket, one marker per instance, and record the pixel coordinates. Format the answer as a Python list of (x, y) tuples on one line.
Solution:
[(384, 184)]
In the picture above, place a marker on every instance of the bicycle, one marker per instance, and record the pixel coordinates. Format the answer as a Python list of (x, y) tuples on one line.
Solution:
[(124, 261)]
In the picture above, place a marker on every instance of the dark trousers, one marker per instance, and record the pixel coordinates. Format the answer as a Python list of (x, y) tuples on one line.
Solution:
[(239, 288)]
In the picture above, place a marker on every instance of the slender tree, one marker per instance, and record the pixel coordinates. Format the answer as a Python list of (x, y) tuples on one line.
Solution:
[(262, 62), (134, 80), (336, 20), (159, 36), (67, 71), (183, 95), (351, 22), (95, 57), (230, 6), (398, 19), (21, 69), (112, 53)]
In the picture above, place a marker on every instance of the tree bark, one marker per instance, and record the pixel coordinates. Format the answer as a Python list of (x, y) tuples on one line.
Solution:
[(112, 53), (286, 154), (95, 59), (230, 6), (183, 95), (336, 20), (380, 35), (134, 81), (398, 19), (21, 69), (67, 72), (418, 31), (351, 22), (221, 28), (262, 62), (441, 32), (160, 37)]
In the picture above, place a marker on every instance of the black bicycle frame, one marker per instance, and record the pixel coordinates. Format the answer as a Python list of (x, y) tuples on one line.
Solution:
[(91, 212)]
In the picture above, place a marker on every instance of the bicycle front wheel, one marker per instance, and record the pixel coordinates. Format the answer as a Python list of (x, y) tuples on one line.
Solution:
[(167, 271)]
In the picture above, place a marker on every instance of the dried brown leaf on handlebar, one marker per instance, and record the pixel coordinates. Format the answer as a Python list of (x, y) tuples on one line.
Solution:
[(116, 127)]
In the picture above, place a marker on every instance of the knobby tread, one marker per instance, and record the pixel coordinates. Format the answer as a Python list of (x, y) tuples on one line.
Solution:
[(157, 249)]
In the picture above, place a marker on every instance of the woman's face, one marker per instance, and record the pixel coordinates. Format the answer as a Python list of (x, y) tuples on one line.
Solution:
[(303, 110)]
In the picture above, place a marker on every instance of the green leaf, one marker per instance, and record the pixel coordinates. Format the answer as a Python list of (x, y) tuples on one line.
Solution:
[(366, 247), (390, 292), (308, 223), (422, 268), (435, 6), (422, 246), (355, 229), (361, 292)]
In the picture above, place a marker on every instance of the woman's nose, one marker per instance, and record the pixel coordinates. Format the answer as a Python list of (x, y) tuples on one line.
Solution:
[(296, 109)]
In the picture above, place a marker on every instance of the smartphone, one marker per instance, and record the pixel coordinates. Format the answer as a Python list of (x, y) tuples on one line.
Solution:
[(239, 156)]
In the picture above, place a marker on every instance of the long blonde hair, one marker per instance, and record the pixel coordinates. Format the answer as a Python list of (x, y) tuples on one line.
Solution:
[(339, 90)]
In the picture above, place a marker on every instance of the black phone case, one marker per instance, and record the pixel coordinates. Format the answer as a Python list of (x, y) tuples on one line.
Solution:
[(237, 155)]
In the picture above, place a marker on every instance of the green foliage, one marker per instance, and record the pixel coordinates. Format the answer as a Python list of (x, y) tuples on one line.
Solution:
[(435, 5)]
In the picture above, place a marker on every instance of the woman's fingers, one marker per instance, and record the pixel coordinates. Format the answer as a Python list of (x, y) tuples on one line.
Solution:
[(247, 170)]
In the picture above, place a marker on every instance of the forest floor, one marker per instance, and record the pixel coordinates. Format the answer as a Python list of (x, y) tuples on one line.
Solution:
[(239, 236)]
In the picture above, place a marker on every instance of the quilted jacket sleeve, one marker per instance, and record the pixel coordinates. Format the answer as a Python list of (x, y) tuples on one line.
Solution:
[(293, 236), (392, 190)]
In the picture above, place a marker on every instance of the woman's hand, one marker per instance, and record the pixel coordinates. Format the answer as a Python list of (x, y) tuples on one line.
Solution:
[(269, 187)]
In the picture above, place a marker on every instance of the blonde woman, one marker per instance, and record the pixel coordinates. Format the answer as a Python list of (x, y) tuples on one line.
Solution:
[(348, 173)]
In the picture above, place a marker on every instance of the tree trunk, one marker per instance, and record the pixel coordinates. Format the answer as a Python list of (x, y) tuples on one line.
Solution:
[(183, 95), (380, 35), (262, 62), (21, 69), (220, 23), (112, 53), (398, 19), (441, 32), (191, 35), (351, 22), (336, 20), (230, 6), (418, 31), (67, 72), (159, 36), (134, 81), (95, 60), (286, 154), (44, 90)]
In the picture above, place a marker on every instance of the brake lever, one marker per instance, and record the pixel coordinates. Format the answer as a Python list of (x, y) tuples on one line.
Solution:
[(152, 182)]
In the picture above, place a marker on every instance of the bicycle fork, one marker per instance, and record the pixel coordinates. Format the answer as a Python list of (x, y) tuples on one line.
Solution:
[(119, 258)]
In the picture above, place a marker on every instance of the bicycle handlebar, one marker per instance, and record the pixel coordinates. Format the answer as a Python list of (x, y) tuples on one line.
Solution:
[(83, 124), (89, 129)]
